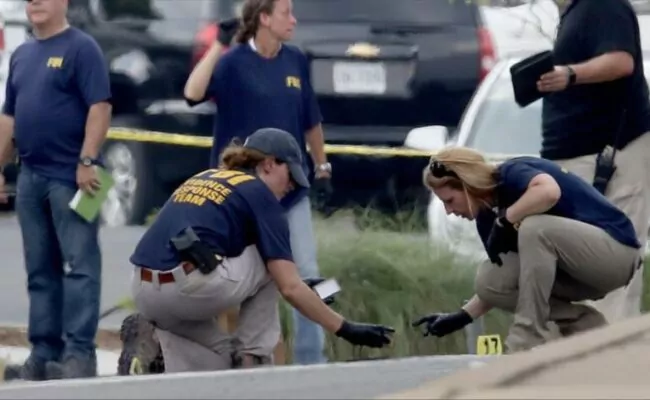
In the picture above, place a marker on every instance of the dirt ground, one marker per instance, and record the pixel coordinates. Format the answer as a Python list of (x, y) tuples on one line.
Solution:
[(14, 336)]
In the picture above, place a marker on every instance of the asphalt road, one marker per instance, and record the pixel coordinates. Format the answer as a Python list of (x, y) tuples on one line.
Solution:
[(358, 380), (116, 243)]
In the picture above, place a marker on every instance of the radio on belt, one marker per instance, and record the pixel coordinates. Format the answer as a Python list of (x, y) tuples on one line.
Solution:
[(192, 250)]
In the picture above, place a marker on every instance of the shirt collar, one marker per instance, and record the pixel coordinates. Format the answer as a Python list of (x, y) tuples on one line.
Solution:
[(251, 43)]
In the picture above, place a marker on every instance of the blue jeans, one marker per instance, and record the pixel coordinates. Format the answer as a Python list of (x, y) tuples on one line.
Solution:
[(309, 338), (64, 305)]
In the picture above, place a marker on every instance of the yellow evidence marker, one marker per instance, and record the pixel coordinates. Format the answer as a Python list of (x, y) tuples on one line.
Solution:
[(489, 345)]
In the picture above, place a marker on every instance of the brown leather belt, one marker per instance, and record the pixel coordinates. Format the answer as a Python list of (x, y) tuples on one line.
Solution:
[(146, 274)]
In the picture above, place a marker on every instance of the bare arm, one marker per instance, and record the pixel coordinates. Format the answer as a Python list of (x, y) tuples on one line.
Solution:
[(97, 123), (542, 194), (316, 142), (199, 79), (476, 307), (300, 296), (604, 68), (6, 134)]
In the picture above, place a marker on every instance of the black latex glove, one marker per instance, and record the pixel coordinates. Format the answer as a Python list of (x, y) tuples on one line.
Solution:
[(322, 192), (311, 282), (441, 324), (227, 30), (503, 237), (361, 334)]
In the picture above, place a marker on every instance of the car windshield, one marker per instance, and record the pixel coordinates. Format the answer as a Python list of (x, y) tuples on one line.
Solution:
[(420, 12), (501, 126)]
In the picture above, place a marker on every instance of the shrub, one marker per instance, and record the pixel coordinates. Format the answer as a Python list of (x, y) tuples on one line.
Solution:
[(392, 279)]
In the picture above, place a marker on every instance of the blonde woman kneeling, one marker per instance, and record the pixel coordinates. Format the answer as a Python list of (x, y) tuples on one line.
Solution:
[(552, 240)]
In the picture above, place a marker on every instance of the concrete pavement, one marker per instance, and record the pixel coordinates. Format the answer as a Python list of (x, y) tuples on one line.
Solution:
[(356, 380), (611, 362)]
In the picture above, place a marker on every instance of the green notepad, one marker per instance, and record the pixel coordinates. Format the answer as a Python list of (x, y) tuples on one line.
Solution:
[(88, 206)]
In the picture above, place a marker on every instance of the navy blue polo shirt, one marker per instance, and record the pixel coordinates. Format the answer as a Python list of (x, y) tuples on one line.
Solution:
[(51, 86), (579, 200), (253, 92), (228, 209), (585, 118)]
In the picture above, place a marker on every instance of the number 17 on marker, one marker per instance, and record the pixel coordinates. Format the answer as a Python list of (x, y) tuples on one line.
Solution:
[(489, 345)]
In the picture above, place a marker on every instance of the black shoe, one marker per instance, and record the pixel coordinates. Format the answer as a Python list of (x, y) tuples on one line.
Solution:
[(72, 367), (141, 353), (32, 370)]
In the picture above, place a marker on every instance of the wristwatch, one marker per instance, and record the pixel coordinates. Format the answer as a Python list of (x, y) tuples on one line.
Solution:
[(325, 167), (87, 161), (572, 75)]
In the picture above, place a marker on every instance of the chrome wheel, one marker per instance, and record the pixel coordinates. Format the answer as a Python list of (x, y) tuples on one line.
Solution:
[(118, 206)]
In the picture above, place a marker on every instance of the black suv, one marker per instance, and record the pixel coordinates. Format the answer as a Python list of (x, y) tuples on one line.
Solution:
[(380, 68)]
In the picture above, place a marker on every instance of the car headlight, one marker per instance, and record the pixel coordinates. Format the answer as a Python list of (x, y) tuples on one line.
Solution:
[(454, 233)]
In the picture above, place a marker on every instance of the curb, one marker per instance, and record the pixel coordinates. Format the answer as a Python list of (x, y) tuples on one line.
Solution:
[(511, 369)]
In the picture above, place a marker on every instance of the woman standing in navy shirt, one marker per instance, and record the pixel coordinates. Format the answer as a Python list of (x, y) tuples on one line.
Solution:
[(263, 82)]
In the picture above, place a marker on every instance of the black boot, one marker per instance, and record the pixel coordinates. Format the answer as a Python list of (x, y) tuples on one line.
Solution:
[(33, 369), (141, 353), (72, 367)]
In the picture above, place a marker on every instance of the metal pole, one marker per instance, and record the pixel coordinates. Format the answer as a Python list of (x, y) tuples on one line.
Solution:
[(472, 332)]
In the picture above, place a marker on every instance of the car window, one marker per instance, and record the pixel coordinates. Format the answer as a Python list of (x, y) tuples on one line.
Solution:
[(501, 126), (171, 20), (420, 12)]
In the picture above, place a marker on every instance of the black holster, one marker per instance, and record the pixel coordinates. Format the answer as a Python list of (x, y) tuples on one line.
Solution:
[(605, 168), (192, 250)]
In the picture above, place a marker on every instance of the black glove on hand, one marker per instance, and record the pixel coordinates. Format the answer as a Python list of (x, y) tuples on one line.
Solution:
[(441, 324), (311, 282), (322, 190), (360, 334), (227, 30), (503, 237)]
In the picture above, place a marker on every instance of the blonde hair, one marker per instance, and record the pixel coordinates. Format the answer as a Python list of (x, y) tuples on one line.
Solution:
[(235, 156), (464, 169)]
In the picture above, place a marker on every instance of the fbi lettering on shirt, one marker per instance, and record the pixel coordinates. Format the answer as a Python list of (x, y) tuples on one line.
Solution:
[(55, 62), (209, 186)]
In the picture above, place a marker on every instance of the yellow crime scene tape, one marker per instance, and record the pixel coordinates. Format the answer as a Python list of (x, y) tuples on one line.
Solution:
[(181, 139)]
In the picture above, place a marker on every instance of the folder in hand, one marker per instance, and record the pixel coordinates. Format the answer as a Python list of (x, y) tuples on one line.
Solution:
[(525, 74), (88, 206)]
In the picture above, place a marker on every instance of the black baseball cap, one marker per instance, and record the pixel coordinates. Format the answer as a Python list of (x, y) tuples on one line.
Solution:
[(283, 146)]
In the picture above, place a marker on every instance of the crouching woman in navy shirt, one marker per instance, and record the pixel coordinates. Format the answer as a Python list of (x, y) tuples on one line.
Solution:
[(263, 82), (552, 240), (236, 212)]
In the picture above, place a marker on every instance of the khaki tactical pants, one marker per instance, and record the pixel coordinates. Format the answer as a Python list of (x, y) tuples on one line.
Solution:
[(184, 313), (560, 261), (629, 190)]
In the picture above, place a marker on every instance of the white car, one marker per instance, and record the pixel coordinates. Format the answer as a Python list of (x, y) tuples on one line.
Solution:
[(496, 126)]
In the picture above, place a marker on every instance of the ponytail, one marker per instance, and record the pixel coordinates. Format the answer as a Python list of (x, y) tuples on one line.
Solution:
[(250, 18), (237, 157)]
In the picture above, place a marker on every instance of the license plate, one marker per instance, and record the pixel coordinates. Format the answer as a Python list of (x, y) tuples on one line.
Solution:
[(359, 78)]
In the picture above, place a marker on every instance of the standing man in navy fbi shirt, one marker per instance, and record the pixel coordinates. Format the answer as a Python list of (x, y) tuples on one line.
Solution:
[(57, 109), (262, 82)]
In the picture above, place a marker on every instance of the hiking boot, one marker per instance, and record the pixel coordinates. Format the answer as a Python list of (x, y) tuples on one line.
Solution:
[(72, 367), (33, 369), (240, 361), (141, 352)]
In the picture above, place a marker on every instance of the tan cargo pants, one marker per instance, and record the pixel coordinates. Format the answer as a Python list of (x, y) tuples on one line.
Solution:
[(629, 190), (560, 261), (184, 313)]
